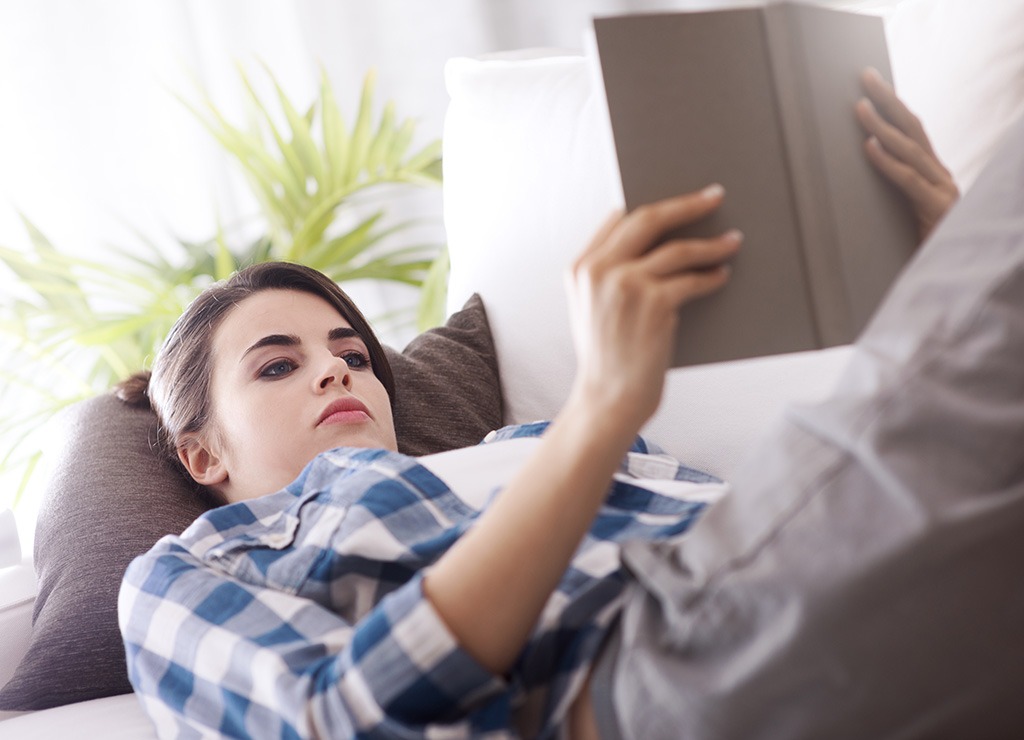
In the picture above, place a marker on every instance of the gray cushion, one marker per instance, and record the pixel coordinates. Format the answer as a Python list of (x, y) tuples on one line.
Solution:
[(112, 497), (447, 393)]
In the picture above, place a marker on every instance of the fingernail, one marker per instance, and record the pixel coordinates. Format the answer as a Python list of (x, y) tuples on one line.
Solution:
[(734, 235), (713, 191)]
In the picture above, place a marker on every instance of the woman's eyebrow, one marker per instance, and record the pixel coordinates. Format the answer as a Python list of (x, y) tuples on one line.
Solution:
[(343, 332), (290, 340), (273, 340)]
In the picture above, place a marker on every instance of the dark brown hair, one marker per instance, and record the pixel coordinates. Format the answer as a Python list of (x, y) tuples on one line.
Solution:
[(178, 388)]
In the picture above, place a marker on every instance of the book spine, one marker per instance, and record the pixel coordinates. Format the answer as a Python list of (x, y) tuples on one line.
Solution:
[(819, 246)]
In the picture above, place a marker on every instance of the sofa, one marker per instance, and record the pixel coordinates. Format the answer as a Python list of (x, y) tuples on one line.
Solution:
[(529, 174)]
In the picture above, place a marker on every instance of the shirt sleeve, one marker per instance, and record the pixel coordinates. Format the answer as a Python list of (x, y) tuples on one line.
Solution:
[(212, 656)]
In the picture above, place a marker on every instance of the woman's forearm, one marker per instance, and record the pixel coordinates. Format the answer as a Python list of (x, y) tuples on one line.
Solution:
[(491, 587)]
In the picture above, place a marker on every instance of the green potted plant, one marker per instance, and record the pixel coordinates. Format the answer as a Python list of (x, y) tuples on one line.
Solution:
[(76, 326)]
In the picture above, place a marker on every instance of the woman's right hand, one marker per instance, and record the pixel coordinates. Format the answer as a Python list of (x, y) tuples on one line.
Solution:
[(624, 297)]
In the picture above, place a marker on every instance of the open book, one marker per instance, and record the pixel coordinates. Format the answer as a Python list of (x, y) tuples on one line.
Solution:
[(761, 100)]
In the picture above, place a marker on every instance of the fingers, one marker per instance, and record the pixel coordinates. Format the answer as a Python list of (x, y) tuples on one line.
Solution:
[(632, 235), (884, 98), (605, 229), (695, 284), (901, 146), (677, 271), (620, 261), (680, 255), (692, 268), (930, 200), (908, 178)]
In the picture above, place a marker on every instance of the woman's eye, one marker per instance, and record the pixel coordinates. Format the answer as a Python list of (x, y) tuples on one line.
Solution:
[(356, 360), (277, 368)]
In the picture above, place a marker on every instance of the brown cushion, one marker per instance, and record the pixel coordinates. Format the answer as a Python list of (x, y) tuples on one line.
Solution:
[(112, 497), (447, 393)]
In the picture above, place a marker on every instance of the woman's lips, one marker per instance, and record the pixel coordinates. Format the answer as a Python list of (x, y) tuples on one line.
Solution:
[(353, 416), (344, 411)]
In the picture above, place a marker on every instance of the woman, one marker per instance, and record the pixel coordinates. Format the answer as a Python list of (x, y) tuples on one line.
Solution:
[(356, 594)]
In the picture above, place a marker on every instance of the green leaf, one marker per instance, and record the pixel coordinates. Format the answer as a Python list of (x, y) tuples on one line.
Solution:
[(394, 267), (261, 170), (316, 223), (297, 185), (433, 172), (226, 263), (426, 157), (260, 250), (13, 380), (114, 329), (357, 242), (36, 271), (112, 368), (341, 249), (428, 176), (361, 132), (335, 135), (381, 143), (302, 140), (433, 297), (399, 146)]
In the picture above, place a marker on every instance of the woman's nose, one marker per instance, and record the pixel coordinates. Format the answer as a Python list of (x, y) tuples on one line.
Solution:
[(336, 370)]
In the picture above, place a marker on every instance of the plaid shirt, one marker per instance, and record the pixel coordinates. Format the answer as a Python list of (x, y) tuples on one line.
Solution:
[(302, 613)]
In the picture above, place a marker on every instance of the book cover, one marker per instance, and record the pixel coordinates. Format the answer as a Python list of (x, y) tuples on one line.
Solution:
[(761, 100)]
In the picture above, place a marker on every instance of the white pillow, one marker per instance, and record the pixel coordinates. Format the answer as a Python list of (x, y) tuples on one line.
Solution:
[(526, 184), (17, 599)]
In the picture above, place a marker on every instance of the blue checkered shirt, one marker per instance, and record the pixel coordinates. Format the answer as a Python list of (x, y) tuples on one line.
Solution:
[(302, 614)]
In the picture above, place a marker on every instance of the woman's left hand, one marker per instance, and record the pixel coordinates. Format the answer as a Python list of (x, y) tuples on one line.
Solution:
[(624, 294), (899, 148)]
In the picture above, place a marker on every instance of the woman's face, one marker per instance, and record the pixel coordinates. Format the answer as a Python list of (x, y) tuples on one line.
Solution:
[(291, 379)]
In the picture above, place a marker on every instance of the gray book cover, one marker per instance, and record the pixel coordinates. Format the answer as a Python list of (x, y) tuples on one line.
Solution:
[(761, 100)]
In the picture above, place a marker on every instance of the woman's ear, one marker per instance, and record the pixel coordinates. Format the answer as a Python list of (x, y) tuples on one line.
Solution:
[(204, 465)]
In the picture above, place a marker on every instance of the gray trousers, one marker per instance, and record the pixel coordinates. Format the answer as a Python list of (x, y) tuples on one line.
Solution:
[(865, 577)]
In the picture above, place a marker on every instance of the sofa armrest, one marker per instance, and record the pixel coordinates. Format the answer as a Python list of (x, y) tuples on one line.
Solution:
[(17, 597)]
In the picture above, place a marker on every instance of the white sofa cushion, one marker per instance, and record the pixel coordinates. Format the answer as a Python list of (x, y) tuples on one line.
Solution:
[(111, 718), (17, 596)]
